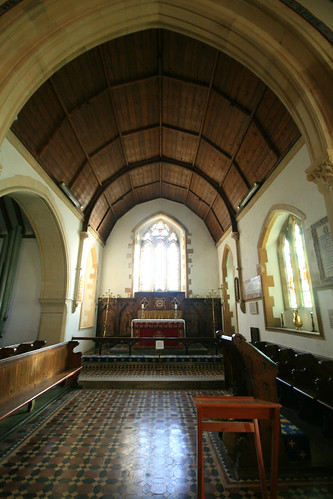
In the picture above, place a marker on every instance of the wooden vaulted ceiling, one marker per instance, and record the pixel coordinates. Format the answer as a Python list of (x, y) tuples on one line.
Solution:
[(154, 115)]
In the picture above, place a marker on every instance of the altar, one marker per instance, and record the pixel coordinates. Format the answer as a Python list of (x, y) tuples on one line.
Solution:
[(158, 328)]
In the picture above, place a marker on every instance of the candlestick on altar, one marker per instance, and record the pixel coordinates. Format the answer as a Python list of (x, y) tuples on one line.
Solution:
[(176, 311)]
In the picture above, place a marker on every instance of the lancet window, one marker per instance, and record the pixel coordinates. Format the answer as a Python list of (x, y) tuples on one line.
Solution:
[(293, 265)]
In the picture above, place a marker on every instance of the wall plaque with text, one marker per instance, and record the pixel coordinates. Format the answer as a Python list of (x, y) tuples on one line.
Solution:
[(323, 244)]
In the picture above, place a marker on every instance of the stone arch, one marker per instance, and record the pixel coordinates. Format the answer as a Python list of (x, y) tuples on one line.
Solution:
[(292, 57), (34, 200), (274, 309)]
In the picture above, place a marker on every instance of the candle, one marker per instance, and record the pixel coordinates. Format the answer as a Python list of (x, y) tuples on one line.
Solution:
[(176, 306), (142, 306)]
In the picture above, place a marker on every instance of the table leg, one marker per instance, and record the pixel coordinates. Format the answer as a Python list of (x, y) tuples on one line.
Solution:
[(260, 459), (200, 467), (275, 453)]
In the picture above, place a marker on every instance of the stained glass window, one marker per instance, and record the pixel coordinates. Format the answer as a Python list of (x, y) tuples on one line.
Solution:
[(293, 262), (159, 259)]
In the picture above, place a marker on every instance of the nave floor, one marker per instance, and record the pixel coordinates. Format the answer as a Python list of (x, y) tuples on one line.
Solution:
[(120, 443)]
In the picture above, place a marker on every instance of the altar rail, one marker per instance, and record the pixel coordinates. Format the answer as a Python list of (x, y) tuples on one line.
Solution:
[(130, 341)]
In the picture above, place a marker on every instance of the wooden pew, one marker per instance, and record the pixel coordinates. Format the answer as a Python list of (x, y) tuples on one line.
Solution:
[(27, 346), (249, 372), (26, 376), (305, 383)]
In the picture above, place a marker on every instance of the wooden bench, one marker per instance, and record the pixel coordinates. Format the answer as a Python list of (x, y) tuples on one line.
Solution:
[(305, 383), (248, 372), (27, 346), (26, 376)]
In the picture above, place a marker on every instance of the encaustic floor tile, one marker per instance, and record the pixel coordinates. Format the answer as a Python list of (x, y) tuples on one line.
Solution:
[(125, 444)]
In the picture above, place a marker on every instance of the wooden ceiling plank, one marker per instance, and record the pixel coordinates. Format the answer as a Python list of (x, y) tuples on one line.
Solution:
[(205, 110), (162, 126), (147, 87), (232, 102), (232, 161), (266, 138), (112, 86), (44, 146), (104, 146), (101, 49), (160, 92), (69, 119)]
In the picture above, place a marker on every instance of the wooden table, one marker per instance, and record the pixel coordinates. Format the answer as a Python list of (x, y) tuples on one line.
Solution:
[(212, 408)]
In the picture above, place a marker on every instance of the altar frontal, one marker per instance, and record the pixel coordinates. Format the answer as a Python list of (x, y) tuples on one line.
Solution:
[(158, 328)]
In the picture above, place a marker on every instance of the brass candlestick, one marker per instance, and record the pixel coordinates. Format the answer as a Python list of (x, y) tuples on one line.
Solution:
[(297, 320), (108, 296), (212, 297)]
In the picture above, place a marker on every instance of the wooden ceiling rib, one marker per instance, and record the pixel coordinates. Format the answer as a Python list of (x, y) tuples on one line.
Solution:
[(156, 114)]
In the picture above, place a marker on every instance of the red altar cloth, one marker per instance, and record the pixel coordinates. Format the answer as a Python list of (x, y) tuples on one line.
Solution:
[(160, 328)]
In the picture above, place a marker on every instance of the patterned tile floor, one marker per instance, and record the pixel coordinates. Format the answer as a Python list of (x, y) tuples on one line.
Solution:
[(138, 444), (154, 371)]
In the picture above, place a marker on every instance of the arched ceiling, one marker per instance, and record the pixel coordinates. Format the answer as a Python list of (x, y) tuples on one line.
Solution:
[(156, 114)]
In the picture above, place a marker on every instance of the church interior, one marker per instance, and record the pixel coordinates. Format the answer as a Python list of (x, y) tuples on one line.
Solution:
[(166, 249)]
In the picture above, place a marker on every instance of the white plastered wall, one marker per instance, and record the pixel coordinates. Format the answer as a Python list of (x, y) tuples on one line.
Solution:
[(51, 317), (291, 188)]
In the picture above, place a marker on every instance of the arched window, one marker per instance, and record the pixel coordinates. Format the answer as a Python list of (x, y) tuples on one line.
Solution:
[(286, 283), (293, 265), (159, 259)]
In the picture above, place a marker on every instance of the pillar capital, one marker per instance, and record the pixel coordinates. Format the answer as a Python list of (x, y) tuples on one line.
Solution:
[(322, 173)]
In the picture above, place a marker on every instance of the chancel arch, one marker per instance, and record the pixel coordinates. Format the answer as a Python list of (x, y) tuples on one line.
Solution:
[(292, 58)]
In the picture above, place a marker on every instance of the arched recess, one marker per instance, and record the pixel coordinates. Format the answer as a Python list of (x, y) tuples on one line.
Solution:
[(181, 233), (277, 315), (228, 293), (34, 200), (273, 41)]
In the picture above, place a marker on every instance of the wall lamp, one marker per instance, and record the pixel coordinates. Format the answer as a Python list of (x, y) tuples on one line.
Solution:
[(70, 195), (248, 196)]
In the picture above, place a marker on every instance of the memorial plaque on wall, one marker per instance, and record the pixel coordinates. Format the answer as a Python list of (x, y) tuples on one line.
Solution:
[(323, 244), (252, 288)]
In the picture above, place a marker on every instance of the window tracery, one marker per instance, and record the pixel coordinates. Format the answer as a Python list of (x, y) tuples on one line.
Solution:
[(293, 265), (159, 259)]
